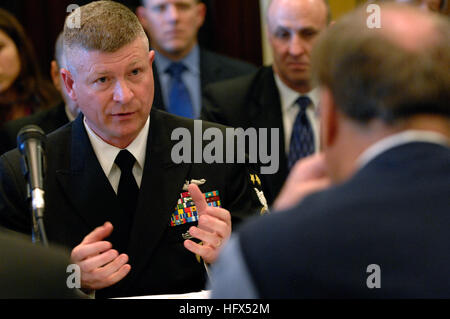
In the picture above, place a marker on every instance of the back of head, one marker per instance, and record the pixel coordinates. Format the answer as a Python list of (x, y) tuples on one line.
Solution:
[(431, 5), (388, 73), (104, 26)]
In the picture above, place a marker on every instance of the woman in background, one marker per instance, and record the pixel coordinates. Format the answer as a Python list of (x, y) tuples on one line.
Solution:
[(23, 90)]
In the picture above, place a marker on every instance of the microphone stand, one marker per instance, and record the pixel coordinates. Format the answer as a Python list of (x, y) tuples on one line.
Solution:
[(28, 138), (37, 212), (37, 205)]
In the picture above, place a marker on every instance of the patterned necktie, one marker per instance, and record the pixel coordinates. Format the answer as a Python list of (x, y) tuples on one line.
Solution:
[(302, 138), (179, 100), (127, 195)]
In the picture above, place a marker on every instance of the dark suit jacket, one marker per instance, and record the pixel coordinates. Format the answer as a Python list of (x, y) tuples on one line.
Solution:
[(394, 212), (32, 271), (48, 120), (250, 101), (79, 198), (213, 68)]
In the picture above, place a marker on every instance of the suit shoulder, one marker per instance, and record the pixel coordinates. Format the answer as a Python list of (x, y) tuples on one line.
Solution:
[(241, 83), (173, 121), (48, 120), (62, 133), (231, 66), (11, 129), (16, 125), (231, 90), (236, 92)]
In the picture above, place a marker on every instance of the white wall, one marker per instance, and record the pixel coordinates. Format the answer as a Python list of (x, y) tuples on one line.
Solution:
[(267, 52)]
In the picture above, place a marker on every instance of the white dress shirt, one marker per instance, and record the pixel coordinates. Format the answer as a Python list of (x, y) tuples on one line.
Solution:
[(398, 139), (288, 98), (107, 153)]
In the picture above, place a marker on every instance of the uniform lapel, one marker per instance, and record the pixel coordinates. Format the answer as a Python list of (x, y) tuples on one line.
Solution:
[(84, 183), (268, 113)]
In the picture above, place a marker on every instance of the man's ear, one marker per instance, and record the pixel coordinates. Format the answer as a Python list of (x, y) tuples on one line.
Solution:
[(69, 83), (201, 14), (151, 57), (329, 123)]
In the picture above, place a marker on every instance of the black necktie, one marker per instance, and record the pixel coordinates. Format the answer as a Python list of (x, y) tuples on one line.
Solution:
[(302, 138), (127, 194), (179, 99)]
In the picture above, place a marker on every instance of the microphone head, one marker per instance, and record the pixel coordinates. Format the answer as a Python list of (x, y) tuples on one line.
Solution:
[(31, 132)]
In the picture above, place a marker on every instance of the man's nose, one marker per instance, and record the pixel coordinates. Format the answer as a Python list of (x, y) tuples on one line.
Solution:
[(172, 13), (296, 46), (122, 93)]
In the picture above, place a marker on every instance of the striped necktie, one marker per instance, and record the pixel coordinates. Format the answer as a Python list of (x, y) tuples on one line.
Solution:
[(302, 138)]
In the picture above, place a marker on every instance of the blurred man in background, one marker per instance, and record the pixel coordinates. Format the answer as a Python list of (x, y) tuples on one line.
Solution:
[(182, 68), (281, 95)]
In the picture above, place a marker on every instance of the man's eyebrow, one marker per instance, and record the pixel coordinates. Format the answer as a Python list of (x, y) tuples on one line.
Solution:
[(302, 28), (99, 72), (134, 63)]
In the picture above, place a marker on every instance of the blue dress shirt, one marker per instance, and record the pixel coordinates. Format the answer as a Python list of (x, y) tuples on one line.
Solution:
[(191, 77)]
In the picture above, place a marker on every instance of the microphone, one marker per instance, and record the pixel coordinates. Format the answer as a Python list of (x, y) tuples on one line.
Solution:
[(31, 143)]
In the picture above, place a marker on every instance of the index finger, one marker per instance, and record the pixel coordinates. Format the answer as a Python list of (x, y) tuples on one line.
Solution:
[(219, 213), (198, 198), (98, 234), (84, 251)]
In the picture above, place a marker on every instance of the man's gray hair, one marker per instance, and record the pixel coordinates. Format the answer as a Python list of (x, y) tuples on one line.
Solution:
[(104, 26), (372, 76)]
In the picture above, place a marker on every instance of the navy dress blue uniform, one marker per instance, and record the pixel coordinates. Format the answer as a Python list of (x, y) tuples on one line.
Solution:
[(80, 198)]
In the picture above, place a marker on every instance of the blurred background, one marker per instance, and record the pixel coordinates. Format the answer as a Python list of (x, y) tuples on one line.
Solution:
[(232, 27)]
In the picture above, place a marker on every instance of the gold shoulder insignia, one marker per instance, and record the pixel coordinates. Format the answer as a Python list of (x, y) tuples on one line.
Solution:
[(257, 179)]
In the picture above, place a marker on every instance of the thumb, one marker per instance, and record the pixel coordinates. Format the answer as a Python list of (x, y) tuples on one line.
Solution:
[(99, 233)]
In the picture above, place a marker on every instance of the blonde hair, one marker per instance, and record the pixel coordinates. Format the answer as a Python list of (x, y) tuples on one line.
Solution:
[(104, 26)]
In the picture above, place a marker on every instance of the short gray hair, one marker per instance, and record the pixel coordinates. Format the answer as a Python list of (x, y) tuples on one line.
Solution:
[(105, 26)]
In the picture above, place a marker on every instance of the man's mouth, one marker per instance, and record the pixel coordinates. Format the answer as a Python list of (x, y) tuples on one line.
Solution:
[(173, 33), (123, 114)]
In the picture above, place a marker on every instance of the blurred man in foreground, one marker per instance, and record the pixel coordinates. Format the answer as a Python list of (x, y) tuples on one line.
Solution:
[(381, 230)]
